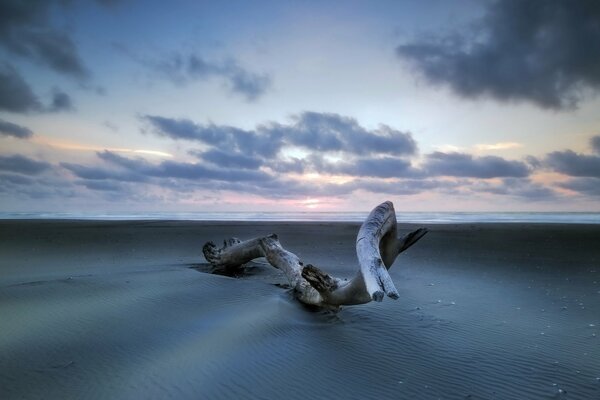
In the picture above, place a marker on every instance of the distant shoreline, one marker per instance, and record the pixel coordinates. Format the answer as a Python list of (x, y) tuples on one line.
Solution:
[(311, 216)]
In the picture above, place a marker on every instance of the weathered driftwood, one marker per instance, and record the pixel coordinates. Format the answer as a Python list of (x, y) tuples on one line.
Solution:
[(377, 246)]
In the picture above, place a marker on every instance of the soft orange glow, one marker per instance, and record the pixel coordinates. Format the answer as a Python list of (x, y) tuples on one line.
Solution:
[(551, 179), (478, 148), (69, 145), (498, 146)]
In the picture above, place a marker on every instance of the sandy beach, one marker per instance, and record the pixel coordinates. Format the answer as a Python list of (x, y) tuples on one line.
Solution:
[(122, 310)]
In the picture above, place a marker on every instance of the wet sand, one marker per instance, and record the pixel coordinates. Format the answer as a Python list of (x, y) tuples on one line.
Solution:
[(119, 310)]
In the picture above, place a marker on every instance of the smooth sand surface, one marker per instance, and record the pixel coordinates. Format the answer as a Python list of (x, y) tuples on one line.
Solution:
[(120, 310)]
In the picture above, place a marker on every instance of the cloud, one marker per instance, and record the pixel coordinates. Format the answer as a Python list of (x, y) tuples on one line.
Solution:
[(377, 153), (102, 186), (60, 102), (586, 186), (15, 93), (574, 164), (18, 131), (314, 131), (515, 187), (181, 170), (542, 52), (405, 187), (595, 143), (20, 187), (384, 167), (222, 136), (26, 31), (15, 179), (249, 84), (22, 165), (99, 173), (182, 68), (466, 165), (229, 159), (334, 132), (179, 177), (129, 178), (111, 125), (172, 169)]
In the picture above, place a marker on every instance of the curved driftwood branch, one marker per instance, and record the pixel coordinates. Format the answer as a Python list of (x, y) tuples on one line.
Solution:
[(377, 246)]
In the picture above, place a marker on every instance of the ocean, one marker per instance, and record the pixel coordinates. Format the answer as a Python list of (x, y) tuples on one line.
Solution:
[(308, 216)]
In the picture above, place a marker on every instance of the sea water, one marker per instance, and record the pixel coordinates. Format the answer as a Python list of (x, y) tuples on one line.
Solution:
[(359, 216)]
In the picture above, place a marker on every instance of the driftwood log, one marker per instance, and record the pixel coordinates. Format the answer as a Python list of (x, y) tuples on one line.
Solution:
[(377, 246)]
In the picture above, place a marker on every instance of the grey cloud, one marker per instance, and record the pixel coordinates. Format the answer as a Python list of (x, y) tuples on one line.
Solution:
[(61, 102), (221, 136), (229, 159), (466, 165), (196, 171), (385, 140), (595, 143), (138, 165), (248, 84), (15, 93), (314, 131), (174, 175), (294, 165), (181, 68), (516, 187), (570, 163), (22, 165), (533, 162), (586, 186), (197, 176), (289, 189), (18, 131), (380, 167), (53, 49), (333, 132), (405, 187), (542, 52), (172, 169), (98, 173), (182, 177), (286, 188), (36, 187), (14, 179), (385, 167), (182, 129), (111, 125), (26, 31), (369, 153), (103, 186)]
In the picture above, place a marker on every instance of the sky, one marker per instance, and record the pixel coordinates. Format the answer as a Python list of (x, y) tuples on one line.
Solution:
[(115, 106)]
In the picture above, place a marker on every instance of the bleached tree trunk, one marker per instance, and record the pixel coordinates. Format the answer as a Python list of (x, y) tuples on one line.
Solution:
[(377, 246)]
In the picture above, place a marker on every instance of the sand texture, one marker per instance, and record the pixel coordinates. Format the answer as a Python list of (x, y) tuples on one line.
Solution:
[(121, 310)]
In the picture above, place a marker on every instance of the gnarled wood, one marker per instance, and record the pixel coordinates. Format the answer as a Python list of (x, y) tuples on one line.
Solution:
[(376, 247)]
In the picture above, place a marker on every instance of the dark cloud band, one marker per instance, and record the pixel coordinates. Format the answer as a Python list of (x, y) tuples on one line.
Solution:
[(322, 132), (14, 130), (544, 52)]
